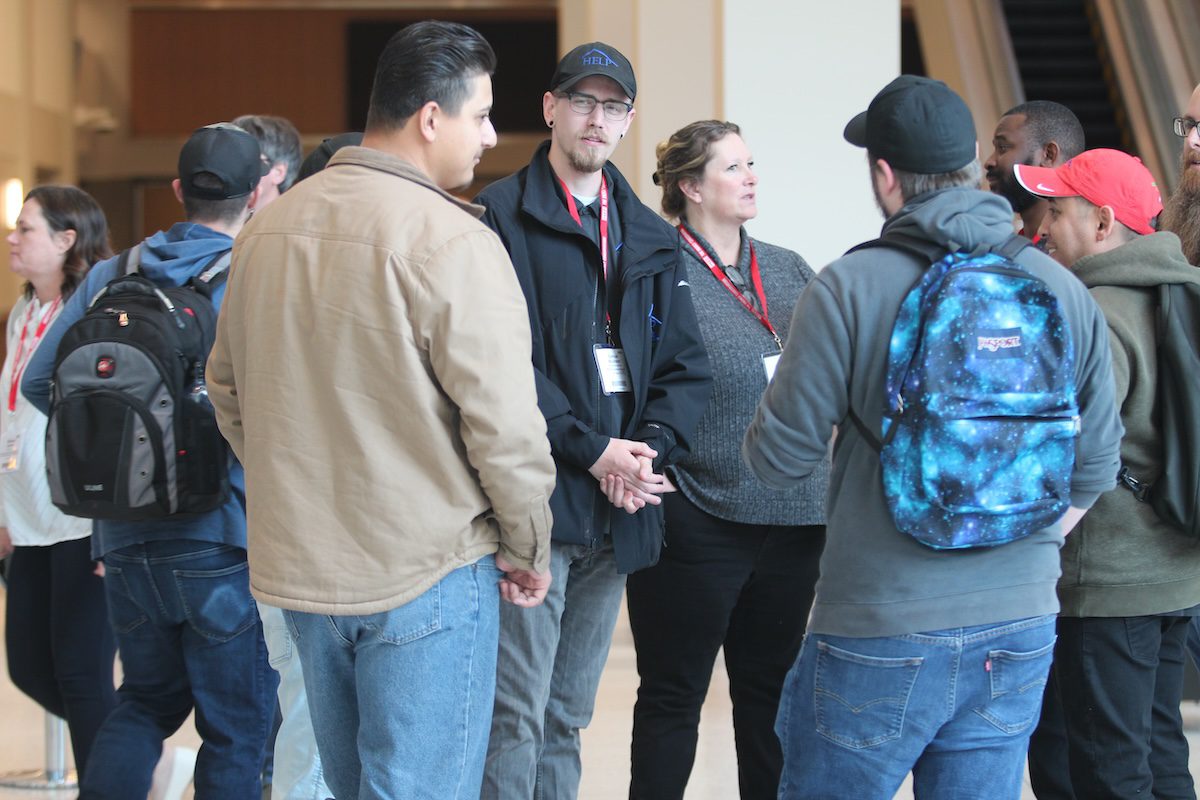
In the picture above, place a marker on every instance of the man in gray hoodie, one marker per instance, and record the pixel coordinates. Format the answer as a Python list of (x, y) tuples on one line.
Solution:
[(1131, 582), (916, 659)]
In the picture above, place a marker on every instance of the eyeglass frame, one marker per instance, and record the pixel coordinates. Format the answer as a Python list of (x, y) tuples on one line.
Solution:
[(627, 108), (1183, 122)]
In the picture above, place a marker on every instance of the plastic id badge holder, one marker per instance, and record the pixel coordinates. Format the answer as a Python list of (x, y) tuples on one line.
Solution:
[(613, 369)]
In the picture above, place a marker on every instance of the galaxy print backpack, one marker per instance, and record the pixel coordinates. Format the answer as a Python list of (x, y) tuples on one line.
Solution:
[(980, 419)]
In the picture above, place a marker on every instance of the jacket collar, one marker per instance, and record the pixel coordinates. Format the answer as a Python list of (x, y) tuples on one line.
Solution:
[(642, 231), (386, 162)]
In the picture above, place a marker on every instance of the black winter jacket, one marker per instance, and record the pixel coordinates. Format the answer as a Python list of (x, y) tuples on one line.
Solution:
[(558, 266)]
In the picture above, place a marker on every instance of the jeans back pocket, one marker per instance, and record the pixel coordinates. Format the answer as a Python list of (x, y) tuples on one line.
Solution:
[(1018, 680), (860, 701)]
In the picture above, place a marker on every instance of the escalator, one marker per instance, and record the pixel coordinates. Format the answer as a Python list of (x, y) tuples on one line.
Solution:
[(1060, 57)]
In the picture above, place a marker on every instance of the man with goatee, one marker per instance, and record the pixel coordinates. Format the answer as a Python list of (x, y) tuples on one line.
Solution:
[(1181, 214), (622, 379)]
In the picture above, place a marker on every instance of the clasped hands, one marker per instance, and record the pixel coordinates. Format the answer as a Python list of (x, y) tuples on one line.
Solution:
[(626, 474)]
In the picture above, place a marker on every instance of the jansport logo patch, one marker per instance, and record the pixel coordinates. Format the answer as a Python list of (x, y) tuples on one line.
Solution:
[(994, 343), (999, 343)]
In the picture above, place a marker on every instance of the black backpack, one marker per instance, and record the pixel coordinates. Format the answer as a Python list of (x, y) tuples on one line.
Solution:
[(131, 434), (1175, 495)]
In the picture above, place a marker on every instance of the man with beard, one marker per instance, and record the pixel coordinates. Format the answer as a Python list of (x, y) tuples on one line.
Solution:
[(1040, 133), (622, 380), (1181, 214)]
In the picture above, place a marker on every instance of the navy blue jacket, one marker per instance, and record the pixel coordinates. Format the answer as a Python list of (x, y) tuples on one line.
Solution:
[(558, 267)]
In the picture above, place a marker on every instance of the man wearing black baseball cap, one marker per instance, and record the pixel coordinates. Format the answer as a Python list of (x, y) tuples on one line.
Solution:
[(201, 643), (622, 381), (916, 659)]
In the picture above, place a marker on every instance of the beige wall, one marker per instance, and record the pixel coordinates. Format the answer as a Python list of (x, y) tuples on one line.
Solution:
[(790, 73), (794, 75), (37, 80)]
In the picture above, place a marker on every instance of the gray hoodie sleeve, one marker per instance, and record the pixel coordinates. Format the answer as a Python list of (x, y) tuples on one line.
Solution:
[(1098, 448), (789, 436)]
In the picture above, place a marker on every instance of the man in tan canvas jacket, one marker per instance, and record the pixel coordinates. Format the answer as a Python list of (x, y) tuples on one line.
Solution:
[(372, 373)]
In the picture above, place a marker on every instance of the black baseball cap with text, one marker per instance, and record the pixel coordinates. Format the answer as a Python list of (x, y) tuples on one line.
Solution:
[(918, 125), (227, 152), (594, 58)]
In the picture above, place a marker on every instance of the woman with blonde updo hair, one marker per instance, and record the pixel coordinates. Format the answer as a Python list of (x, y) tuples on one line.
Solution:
[(740, 559)]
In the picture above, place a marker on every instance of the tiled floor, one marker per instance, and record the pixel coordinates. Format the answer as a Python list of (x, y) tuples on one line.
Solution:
[(605, 743)]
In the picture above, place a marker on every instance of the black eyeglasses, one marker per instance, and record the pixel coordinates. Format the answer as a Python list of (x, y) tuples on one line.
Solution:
[(1183, 126), (614, 110)]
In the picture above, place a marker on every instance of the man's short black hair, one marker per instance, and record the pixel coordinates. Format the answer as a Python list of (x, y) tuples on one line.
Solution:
[(1047, 121), (426, 61)]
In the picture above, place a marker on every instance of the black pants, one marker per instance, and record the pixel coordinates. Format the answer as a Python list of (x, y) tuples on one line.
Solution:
[(1111, 726), (746, 587), (59, 642)]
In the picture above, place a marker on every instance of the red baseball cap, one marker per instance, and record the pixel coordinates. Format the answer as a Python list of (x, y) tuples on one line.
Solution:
[(1103, 177)]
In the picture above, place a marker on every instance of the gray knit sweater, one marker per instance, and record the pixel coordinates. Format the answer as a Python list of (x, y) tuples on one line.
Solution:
[(714, 477)]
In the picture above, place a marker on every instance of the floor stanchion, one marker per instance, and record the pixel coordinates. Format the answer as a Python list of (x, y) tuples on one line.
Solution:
[(55, 774)]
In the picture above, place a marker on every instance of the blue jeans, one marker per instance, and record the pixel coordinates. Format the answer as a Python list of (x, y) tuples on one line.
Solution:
[(401, 700), (955, 707), (297, 773), (189, 636), (550, 662)]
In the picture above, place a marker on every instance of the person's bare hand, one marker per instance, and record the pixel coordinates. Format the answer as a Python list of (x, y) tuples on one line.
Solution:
[(621, 496), (633, 463), (522, 587), (6, 545)]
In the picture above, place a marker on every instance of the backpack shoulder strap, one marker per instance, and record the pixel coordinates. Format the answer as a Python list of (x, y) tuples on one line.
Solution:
[(216, 272), (873, 440), (921, 248), (130, 261), (1012, 246), (1162, 313)]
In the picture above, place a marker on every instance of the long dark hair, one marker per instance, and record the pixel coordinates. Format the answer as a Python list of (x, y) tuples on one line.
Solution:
[(69, 208)]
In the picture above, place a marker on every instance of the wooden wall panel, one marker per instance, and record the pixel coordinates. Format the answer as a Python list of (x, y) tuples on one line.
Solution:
[(194, 67), (160, 208)]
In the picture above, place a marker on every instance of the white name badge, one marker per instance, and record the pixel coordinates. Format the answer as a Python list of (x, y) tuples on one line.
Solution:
[(10, 452), (614, 371), (770, 362)]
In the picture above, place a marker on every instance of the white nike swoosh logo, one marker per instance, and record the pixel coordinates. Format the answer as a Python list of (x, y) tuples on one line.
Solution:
[(1044, 188), (682, 283)]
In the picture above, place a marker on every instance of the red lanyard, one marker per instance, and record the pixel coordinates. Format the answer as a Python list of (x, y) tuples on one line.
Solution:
[(719, 274), (21, 357), (574, 211)]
